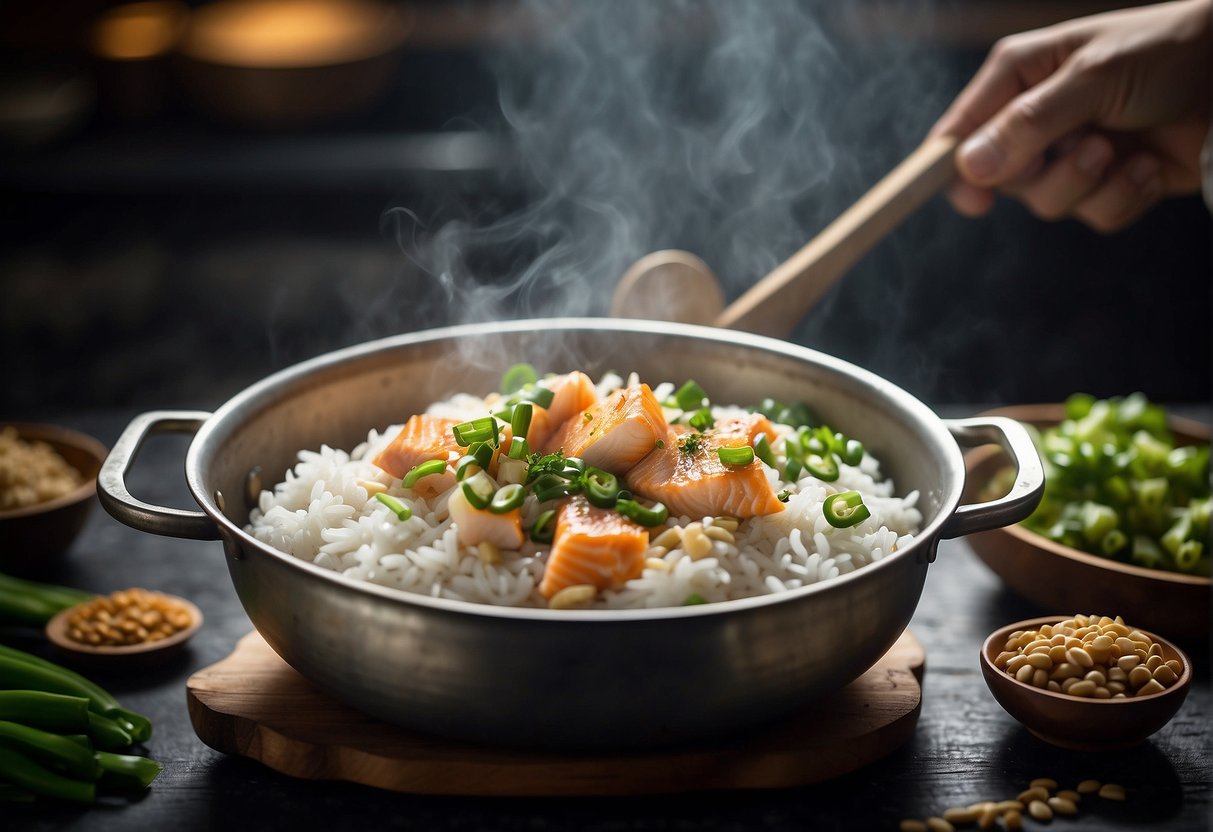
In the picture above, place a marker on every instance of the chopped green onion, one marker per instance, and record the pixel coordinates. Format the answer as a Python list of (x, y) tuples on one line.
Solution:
[(425, 469), (478, 490), (694, 599), (845, 509), (601, 488), (824, 466), (507, 498), (1112, 542), (852, 453), (690, 396), (517, 377), (19, 769), (397, 508), (762, 450), (463, 468), (736, 456), (573, 468), (648, 517), (482, 452), (553, 487), (477, 430), (520, 420), (702, 419), (519, 449), (784, 496), (792, 469), (541, 396), (544, 529)]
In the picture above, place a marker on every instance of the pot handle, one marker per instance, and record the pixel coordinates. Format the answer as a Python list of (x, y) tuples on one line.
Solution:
[(117, 499), (1029, 485)]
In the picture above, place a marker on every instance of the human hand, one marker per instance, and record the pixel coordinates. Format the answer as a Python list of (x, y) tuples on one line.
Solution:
[(1097, 118)]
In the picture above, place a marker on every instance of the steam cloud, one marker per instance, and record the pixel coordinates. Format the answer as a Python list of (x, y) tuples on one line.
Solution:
[(735, 130)]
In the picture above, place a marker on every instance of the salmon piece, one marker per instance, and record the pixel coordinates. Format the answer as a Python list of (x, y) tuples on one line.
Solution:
[(571, 394), (697, 484), (746, 428), (615, 433), (593, 546), (477, 525), (422, 438)]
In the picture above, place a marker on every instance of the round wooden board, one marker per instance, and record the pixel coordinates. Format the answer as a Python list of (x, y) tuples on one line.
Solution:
[(254, 704)]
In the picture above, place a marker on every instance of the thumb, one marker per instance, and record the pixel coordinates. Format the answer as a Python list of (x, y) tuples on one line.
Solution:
[(1014, 139)]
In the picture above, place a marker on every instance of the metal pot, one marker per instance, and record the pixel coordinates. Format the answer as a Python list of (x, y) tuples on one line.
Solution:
[(565, 679)]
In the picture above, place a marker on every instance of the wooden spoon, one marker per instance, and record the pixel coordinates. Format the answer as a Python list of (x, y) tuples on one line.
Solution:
[(775, 304)]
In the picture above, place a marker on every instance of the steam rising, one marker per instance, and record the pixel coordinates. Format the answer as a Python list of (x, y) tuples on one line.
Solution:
[(735, 130)]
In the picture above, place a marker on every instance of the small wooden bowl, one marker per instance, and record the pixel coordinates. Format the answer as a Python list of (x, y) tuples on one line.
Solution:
[(1075, 722), (32, 536), (124, 656), (1054, 576)]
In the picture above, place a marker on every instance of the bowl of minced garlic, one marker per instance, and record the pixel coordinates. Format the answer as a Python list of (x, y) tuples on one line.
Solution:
[(129, 623), (1086, 682)]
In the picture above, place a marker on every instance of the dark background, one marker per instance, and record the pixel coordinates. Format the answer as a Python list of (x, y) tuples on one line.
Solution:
[(170, 257)]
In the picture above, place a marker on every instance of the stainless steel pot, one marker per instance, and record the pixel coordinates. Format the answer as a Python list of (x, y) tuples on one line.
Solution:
[(565, 679)]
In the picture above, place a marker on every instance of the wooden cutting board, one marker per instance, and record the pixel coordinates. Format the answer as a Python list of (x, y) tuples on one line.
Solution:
[(254, 704)]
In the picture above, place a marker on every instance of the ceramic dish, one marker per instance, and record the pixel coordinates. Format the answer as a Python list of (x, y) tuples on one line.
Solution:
[(1079, 723), (32, 536), (1054, 576), (126, 655)]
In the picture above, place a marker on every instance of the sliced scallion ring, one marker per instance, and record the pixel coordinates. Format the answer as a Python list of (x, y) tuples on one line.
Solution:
[(425, 469), (702, 419), (845, 509), (482, 452), (852, 453), (647, 517), (736, 456), (519, 448), (507, 498), (601, 488), (520, 419), (397, 508), (477, 430), (517, 377), (464, 468), (478, 490), (690, 396), (544, 530), (762, 450)]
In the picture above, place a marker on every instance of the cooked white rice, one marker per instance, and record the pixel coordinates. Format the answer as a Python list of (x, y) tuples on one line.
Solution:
[(323, 513)]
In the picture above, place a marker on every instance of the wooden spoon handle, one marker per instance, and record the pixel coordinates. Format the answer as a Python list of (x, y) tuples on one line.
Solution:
[(775, 304)]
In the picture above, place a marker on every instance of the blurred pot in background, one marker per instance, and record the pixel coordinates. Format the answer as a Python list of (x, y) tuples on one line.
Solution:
[(271, 63), (132, 44)]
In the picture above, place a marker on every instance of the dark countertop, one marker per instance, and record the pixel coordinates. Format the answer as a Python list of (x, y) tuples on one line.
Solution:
[(965, 747)]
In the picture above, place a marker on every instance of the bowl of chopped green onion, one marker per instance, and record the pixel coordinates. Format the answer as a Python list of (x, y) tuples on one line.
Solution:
[(1124, 522)]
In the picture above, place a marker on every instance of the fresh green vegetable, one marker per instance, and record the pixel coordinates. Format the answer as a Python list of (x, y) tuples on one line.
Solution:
[(762, 450), (30, 602), (516, 378), (20, 770), (48, 711), (648, 517), (520, 420), (845, 509), (397, 508), (21, 671), (690, 396), (1117, 485), (126, 771), (544, 530), (701, 419), (519, 449), (507, 498), (736, 456), (54, 751), (424, 469), (108, 734), (601, 487), (483, 429), (478, 490)]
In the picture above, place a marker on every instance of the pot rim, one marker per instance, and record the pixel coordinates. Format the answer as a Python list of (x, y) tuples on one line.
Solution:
[(921, 547)]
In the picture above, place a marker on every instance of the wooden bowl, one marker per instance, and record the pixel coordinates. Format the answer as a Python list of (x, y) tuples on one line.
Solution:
[(33, 536), (121, 656), (1054, 576), (1075, 722)]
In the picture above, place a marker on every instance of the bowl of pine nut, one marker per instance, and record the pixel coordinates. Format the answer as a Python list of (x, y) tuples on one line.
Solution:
[(1086, 682), (131, 626)]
